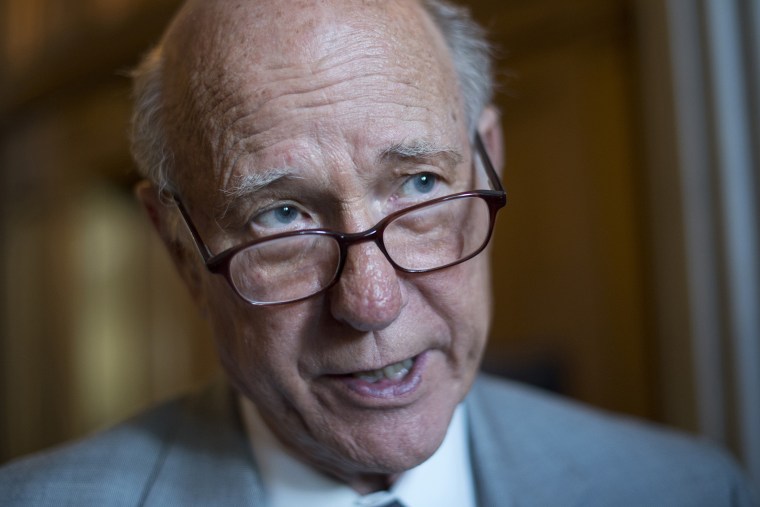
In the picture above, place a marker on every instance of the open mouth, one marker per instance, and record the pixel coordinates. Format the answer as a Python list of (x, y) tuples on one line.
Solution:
[(390, 382), (396, 371)]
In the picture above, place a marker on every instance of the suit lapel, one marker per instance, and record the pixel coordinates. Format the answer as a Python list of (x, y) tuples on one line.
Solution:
[(512, 464)]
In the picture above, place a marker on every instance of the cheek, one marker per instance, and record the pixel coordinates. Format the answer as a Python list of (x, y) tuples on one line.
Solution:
[(461, 298), (462, 294), (256, 343), (239, 330)]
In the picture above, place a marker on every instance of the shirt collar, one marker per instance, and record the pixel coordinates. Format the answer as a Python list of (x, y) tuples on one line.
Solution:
[(444, 479)]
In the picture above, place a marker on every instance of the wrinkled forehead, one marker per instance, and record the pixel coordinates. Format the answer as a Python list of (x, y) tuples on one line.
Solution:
[(217, 52)]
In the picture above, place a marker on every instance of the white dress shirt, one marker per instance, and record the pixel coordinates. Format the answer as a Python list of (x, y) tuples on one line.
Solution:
[(445, 479)]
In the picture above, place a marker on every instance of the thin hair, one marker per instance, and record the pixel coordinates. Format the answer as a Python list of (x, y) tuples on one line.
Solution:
[(149, 144), (470, 52)]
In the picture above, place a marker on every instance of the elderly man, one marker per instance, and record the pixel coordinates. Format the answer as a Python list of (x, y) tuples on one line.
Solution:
[(322, 174)]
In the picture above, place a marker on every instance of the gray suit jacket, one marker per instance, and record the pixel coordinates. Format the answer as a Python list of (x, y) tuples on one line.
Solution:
[(528, 448)]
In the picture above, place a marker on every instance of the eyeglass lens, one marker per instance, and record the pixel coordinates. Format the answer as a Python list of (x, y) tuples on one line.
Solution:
[(294, 267)]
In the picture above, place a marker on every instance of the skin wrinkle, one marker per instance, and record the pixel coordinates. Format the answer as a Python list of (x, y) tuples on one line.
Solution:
[(245, 145), (226, 104), (244, 188), (237, 135), (242, 144), (265, 98), (265, 92), (363, 57), (225, 109)]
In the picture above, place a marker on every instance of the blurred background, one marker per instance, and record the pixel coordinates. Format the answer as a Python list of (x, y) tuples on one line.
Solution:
[(626, 264)]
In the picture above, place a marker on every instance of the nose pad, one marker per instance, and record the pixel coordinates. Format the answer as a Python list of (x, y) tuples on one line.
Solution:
[(368, 296)]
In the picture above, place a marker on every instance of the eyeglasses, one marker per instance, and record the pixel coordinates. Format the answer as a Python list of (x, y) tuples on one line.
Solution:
[(292, 266)]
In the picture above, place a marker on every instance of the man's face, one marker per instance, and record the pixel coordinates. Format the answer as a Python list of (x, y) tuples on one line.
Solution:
[(326, 115)]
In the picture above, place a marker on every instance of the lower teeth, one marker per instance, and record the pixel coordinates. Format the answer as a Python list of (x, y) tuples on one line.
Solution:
[(392, 372)]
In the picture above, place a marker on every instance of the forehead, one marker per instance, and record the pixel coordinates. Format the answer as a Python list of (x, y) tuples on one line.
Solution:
[(243, 76)]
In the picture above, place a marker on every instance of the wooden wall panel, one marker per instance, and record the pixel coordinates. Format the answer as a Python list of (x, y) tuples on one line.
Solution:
[(569, 255)]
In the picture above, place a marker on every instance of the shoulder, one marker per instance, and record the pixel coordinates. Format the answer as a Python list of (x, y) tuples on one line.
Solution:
[(122, 458), (189, 451), (606, 456)]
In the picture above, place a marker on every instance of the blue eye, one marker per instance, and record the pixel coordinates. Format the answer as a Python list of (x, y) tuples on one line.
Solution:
[(285, 214), (424, 182)]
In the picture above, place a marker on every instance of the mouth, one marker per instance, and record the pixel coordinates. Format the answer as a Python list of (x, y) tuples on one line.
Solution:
[(392, 372), (392, 382)]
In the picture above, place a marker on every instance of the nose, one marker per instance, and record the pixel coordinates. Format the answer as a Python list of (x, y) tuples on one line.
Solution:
[(368, 296)]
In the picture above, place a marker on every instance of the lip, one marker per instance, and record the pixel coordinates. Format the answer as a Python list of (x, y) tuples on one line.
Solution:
[(363, 391)]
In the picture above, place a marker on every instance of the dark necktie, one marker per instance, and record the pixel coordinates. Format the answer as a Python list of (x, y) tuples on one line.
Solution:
[(393, 503)]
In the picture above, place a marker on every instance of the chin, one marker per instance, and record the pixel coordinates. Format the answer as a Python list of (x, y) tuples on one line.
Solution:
[(401, 443)]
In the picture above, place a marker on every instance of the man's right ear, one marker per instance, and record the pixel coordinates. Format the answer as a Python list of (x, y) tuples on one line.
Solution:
[(149, 198), (187, 264), (489, 126)]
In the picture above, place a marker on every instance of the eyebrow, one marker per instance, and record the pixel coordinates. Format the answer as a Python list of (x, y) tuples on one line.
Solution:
[(245, 186), (421, 149)]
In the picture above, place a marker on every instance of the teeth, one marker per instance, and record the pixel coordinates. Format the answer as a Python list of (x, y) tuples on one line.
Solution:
[(391, 372)]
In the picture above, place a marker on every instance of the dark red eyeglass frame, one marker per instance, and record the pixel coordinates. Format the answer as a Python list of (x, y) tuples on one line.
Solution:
[(220, 263)]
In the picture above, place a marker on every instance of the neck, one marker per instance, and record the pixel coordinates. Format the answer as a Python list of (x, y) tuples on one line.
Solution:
[(370, 483)]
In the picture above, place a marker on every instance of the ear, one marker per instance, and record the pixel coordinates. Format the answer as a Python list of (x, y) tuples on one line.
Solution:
[(187, 262), (489, 127), (157, 211)]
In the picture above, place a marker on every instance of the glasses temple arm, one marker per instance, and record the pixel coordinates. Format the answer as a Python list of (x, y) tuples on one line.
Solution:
[(492, 175), (202, 248)]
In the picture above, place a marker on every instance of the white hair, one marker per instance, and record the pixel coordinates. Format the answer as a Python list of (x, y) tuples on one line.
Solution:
[(149, 144), (470, 52), (466, 41)]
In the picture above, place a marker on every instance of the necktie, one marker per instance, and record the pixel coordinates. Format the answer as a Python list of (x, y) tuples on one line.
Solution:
[(392, 503)]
